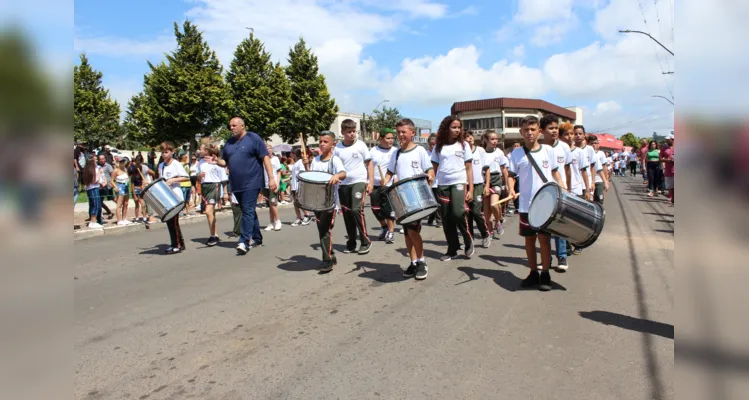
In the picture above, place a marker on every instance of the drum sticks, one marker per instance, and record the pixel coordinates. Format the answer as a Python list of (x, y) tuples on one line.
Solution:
[(506, 199)]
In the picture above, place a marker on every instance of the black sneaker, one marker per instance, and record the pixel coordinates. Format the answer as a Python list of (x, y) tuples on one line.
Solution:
[(562, 264), (349, 251), (545, 281), (531, 280), (174, 250), (383, 234), (212, 241), (364, 249), (448, 257), (326, 266), (410, 271), (469, 250), (390, 237), (421, 270)]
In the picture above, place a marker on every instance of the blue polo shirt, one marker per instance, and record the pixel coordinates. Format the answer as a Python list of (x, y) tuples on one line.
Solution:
[(245, 160)]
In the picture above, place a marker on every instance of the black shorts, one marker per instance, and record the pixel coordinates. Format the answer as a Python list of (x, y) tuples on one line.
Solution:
[(525, 227), (193, 180), (271, 198), (598, 193), (106, 193), (496, 183), (413, 226)]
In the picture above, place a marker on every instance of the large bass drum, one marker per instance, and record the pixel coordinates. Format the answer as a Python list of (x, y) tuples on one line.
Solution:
[(162, 200), (563, 214), (314, 193), (412, 199)]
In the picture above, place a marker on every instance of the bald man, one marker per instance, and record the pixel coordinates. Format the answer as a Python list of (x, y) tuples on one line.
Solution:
[(246, 156)]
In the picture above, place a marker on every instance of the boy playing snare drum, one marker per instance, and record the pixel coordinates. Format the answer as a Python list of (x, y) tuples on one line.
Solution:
[(409, 161)]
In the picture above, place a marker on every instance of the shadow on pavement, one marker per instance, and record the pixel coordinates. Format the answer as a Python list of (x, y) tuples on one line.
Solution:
[(299, 264), (160, 249), (505, 279), (630, 323), (428, 253), (379, 272), (522, 261), (336, 247)]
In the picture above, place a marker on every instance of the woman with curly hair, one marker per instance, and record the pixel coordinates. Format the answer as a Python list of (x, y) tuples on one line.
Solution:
[(452, 159)]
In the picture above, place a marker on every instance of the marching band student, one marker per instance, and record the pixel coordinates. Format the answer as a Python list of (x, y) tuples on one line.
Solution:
[(521, 162), (480, 175), (210, 177), (411, 160), (327, 161), (563, 155), (174, 173), (590, 155), (296, 168), (380, 156), (496, 162), (601, 177), (436, 218), (452, 162), (354, 188), (271, 196)]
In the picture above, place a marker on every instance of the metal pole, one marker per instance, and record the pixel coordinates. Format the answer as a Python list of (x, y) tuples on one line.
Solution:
[(664, 98), (648, 35)]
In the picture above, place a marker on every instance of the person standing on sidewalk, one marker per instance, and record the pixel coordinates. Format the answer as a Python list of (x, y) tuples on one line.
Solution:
[(667, 156), (246, 156), (92, 182), (106, 191)]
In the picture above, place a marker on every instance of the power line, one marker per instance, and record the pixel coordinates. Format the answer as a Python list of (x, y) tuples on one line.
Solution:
[(657, 55), (625, 124)]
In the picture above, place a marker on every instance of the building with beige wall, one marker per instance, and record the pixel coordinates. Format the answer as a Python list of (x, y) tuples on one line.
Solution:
[(504, 114)]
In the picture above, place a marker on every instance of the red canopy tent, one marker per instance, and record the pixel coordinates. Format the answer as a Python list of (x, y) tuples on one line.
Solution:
[(609, 142)]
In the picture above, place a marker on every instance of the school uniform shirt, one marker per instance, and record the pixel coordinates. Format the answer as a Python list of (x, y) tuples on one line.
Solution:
[(529, 180), (578, 164), (451, 162), (479, 162), (213, 172), (275, 164), (495, 160), (333, 166), (434, 184), (410, 163), (632, 156), (601, 163), (353, 158), (173, 170), (381, 160), (563, 157), (295, 170)]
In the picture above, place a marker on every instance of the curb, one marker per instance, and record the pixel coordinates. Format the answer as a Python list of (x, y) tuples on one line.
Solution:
[(85, 233)]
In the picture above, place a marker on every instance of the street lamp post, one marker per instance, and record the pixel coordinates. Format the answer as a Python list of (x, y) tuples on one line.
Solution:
[(664, 98), (648, 35), (364, 117)]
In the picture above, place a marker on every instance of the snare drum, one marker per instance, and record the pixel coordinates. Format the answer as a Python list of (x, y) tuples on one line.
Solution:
[(162, 200), (412, 199), (563, 214), (314, 193)]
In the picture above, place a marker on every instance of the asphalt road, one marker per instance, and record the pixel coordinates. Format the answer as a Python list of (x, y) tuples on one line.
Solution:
[(208, 324)]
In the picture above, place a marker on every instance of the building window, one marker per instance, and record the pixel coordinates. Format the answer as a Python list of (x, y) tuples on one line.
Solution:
[(512, 122), (480, 124)]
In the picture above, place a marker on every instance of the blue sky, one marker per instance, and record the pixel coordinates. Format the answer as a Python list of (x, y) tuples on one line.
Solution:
[(422, 55)]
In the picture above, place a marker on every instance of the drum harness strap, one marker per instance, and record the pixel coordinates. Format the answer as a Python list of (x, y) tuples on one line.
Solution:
[(535, 166)]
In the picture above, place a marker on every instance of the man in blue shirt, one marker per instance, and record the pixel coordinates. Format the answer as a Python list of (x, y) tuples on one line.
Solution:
[(246, 156)]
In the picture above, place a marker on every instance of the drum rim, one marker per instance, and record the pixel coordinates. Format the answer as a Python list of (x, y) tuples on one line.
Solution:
[(181, 205), (411, 178), (300, 178), (317, 209), (592, 239), (559, 192), (145, 189), (408, 214)]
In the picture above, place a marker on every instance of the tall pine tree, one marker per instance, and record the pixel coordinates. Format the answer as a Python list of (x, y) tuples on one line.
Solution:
[(137, 124), (96, 117), (187, 94), (257, 93), (312, 109)]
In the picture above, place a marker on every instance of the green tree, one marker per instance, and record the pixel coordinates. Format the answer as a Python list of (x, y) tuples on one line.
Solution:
[(280, 101), (187, 94), (629, 139), (380, 119), (137, 125), (96, 117), (248, 80), (312, 110)]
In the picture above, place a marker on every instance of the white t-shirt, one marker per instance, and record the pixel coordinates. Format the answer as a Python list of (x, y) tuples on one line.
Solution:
[(173, 170), (563, 157), (434, 184), (579, 164), (410, 163), (275, 165), (213, 172), (295, 170), (334, 165), (632, 156), (495, 160), (623, 163), (353, 158), (528, 178), (381, 160), (479, 162), (451, 162), (602, 162), (194, 168)]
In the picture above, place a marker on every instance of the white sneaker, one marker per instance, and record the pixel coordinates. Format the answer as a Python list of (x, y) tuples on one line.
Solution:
[(486, 242), (123, 222), (306, 221), (241, 249), (277, 226), (95, 225), (296, 222), (269, 227)]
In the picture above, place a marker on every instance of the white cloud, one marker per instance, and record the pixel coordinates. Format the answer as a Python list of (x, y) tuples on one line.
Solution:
[(122, 47), (535, 11), (607, 107), (518, 51), (549, 34)]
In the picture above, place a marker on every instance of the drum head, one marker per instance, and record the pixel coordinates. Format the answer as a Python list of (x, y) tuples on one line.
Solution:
[(173, 212), (315, 176), (416, 215), (403, 181), (543, 206)]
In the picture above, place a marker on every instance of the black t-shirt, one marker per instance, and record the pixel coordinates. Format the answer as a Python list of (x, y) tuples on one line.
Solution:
[(135, 177)]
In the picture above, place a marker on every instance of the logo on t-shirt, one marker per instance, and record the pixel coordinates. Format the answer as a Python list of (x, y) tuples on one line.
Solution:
[(560, 160), (546, 163), (355, 155), (477, 161), (415, 164), (459, 154), (574, 161)]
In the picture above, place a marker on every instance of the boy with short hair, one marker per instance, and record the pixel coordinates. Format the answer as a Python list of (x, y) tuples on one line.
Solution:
[(353, 190), (529, 184), (563, 155), (601, 180), (380, 159), (174, 173), (210, 177), (296, 168), (409, 161), (328, 162)]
